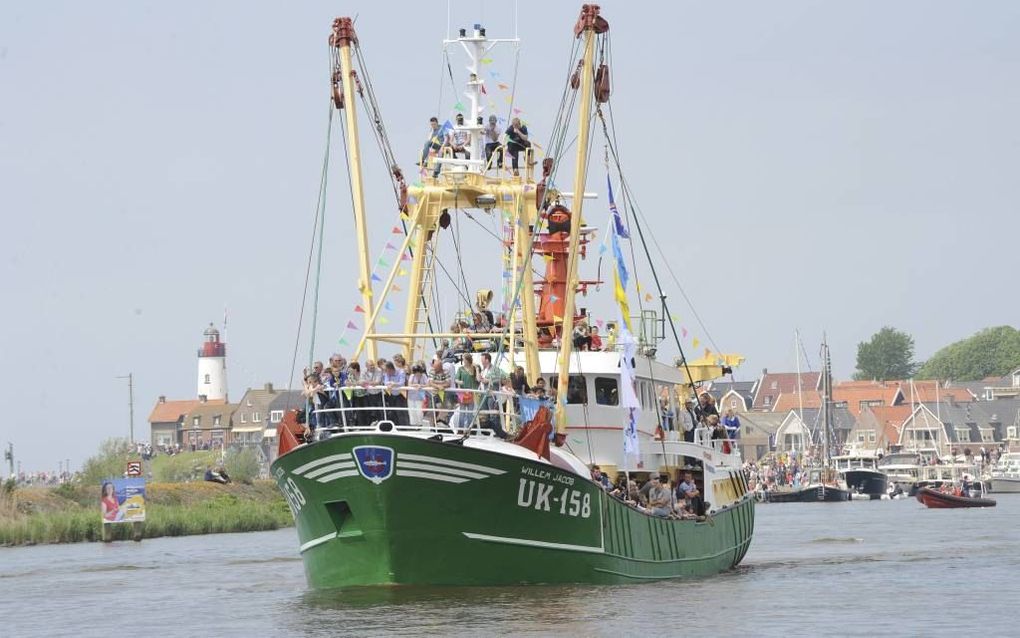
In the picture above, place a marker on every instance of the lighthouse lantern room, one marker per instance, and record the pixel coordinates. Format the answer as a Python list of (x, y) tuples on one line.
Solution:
[(212, 366)]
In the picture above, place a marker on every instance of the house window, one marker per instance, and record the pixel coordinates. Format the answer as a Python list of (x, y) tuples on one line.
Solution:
[(839, 404), (217, 438), (748, 430), (248, 403), (196, 421), (1011, 432), (256, 417), (860, 437), (768, 400), (987, 435), (607, 391), (775, 385), (871, 437), (276, 416), (216, 420), (963, 435), (207, 379), (244, 418)]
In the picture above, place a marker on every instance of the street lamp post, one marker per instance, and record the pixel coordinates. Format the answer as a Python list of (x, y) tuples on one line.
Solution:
[(131, 402)]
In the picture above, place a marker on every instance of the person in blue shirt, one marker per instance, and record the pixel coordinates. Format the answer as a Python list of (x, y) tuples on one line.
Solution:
[(732, 423), (394, 379)]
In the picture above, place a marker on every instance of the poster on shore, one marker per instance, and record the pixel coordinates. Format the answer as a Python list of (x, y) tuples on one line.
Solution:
[(122, 500)]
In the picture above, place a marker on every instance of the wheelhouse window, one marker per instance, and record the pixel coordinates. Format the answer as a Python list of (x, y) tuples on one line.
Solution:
[(607, 391), (577, 388)]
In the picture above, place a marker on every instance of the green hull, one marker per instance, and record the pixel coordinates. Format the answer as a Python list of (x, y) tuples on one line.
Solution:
[(445, 514)]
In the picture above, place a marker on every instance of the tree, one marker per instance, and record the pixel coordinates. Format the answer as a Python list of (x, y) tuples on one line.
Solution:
[(887, 355), (990, 352)]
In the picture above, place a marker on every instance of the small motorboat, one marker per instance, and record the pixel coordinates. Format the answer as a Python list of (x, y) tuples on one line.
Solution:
[(944, 500)]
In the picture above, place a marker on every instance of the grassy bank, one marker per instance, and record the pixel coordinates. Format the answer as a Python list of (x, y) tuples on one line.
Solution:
[(70, 514)]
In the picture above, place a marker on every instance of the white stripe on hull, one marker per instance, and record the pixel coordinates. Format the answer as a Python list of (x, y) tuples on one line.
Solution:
[(317, 541), (461, 464), (336, 475), (332, 467), (530, 543), (439, 468), (429, 475), (317, 462)]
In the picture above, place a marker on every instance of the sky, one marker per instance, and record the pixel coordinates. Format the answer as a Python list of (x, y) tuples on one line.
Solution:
[(812, 166)]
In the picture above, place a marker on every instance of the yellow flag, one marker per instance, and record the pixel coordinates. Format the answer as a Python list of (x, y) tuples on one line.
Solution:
[(383, 320), (695, 342), (401, 272), (348, 392), (442, 395), (621, 299)]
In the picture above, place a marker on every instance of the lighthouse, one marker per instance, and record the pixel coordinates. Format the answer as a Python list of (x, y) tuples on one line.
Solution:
[(212, 366)]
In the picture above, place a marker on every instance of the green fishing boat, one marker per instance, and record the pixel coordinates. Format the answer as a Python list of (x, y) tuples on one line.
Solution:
[(429, 483)]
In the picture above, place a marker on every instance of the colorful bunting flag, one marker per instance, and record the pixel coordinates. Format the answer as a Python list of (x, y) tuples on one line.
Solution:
[(675, 318), (648, 296), (517, 111), (376, 277), (401, 272), (486, 60), (343, 342), (458, 107), (390, 246), (599, 323), (396, 230), (388, 306), (395, 288), (383, 320), (359, 309), (351, 325), (695, 343), (683, 331), (405, 257), (383, 263), (348, 392)]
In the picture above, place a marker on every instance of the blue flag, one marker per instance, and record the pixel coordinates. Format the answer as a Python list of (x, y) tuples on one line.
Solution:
[(621, 230)]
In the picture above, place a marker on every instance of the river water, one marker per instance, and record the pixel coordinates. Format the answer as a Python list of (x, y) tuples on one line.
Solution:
[(862, 568)]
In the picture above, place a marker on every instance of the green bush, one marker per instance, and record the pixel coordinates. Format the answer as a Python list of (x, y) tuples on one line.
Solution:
[(183, 467), (110, 461), (242, 465)]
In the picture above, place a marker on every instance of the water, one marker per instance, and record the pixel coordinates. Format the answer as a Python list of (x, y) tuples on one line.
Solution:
[(851, 569)]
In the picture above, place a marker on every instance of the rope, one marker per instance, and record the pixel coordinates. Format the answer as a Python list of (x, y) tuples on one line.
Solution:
[(319, 211)]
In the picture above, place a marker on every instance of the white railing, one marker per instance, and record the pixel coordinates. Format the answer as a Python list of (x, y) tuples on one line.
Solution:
[(416, 409)]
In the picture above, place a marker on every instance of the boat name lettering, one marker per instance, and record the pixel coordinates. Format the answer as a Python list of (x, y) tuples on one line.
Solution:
[(295, 499), (539, 496), (546, 474)]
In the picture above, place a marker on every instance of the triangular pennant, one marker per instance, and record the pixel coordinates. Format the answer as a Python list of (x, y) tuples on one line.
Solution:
[(547, 257), (388, 306), (405, 257), (348, 392), (401, 272), (599, 323), (695, 342), (503, 87), (383, 320), (343, 342), (359, 309), (396, 288), (458, 107), (602, 248), (683, 331), (486, 60), (648, 296), (675, 318), (383, 263), (396, 231), (351, 325), (404, 217), (376, 277), (559, 319), (518, 111), (442, 395), (390, 246)]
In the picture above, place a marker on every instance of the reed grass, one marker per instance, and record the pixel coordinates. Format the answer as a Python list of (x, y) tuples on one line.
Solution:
[(171, 510)]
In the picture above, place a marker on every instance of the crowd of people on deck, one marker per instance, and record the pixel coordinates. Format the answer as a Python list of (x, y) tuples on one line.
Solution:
[(657, 496)]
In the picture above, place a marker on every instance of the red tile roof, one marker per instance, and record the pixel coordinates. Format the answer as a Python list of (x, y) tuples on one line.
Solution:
[(774, 384), (856, 392), (786, 402), (172, 411)]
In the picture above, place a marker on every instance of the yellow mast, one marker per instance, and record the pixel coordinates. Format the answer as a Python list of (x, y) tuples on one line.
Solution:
[(584, 122), (343, 36)]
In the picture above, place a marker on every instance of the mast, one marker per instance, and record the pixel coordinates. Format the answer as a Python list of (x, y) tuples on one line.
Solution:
[(800, 388), (586, 24), (826, 395), (342, 38)]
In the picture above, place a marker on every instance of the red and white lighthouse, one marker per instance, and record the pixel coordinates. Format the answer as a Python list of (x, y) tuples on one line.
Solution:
[(212, 366)]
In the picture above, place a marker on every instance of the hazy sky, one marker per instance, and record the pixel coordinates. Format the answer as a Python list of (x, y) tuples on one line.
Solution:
[(822, 166)]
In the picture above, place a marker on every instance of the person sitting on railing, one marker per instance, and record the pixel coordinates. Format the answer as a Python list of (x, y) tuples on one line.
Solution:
[(458, 138), (439, 382), (492, 147), (417, 397), (517, 142), (394, 379), (357, 416)]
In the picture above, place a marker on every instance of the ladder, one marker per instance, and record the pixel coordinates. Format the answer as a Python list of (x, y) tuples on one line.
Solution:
[(427, 294)]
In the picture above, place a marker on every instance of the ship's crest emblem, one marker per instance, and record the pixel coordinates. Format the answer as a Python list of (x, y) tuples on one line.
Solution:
[(375, 463)]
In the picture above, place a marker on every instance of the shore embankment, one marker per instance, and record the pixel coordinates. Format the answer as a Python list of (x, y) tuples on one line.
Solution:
[(71, 514)]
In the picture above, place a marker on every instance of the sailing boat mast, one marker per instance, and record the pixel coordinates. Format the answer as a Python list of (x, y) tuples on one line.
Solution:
[(826, 400), (342, 38), (800, 389), (587, 25)]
